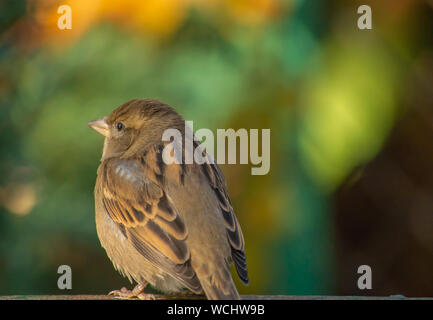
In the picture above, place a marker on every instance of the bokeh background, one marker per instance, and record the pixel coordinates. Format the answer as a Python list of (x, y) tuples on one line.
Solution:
[(350, 113)]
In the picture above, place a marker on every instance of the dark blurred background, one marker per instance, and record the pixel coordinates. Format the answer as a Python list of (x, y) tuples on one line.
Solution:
[(350, 113)]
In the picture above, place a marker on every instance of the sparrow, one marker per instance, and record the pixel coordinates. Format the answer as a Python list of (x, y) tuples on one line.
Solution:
[(168, 225)]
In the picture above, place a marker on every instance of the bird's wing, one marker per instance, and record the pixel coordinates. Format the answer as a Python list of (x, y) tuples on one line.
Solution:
[(134, 199), (233, 228)]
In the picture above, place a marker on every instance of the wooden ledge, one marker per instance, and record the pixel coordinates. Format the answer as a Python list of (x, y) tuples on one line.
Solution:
[(193, 297)]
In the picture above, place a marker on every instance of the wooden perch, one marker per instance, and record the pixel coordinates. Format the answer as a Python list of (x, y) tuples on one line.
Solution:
[(195, 297)]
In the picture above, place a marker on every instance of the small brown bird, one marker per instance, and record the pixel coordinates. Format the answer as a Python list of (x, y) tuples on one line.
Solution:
[(168, 225)]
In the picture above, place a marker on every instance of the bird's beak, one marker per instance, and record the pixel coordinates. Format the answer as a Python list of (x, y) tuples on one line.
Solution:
[(101, 126)]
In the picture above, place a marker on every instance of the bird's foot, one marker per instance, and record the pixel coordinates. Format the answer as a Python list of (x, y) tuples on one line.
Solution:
[(136, 293)]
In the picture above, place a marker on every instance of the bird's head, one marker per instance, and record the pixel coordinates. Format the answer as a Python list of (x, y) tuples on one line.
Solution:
[(134, 126)]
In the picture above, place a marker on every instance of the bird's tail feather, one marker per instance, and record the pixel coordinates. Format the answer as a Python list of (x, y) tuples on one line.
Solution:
[(215, 293)]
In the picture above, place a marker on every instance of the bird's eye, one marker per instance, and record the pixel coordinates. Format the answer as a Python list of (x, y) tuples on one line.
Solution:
[(119, 126)]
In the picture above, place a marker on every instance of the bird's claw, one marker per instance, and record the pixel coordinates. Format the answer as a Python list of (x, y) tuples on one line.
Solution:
[(136, 293)]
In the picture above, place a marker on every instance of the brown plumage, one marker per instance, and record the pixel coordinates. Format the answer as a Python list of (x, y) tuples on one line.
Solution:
[(172, 226)]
